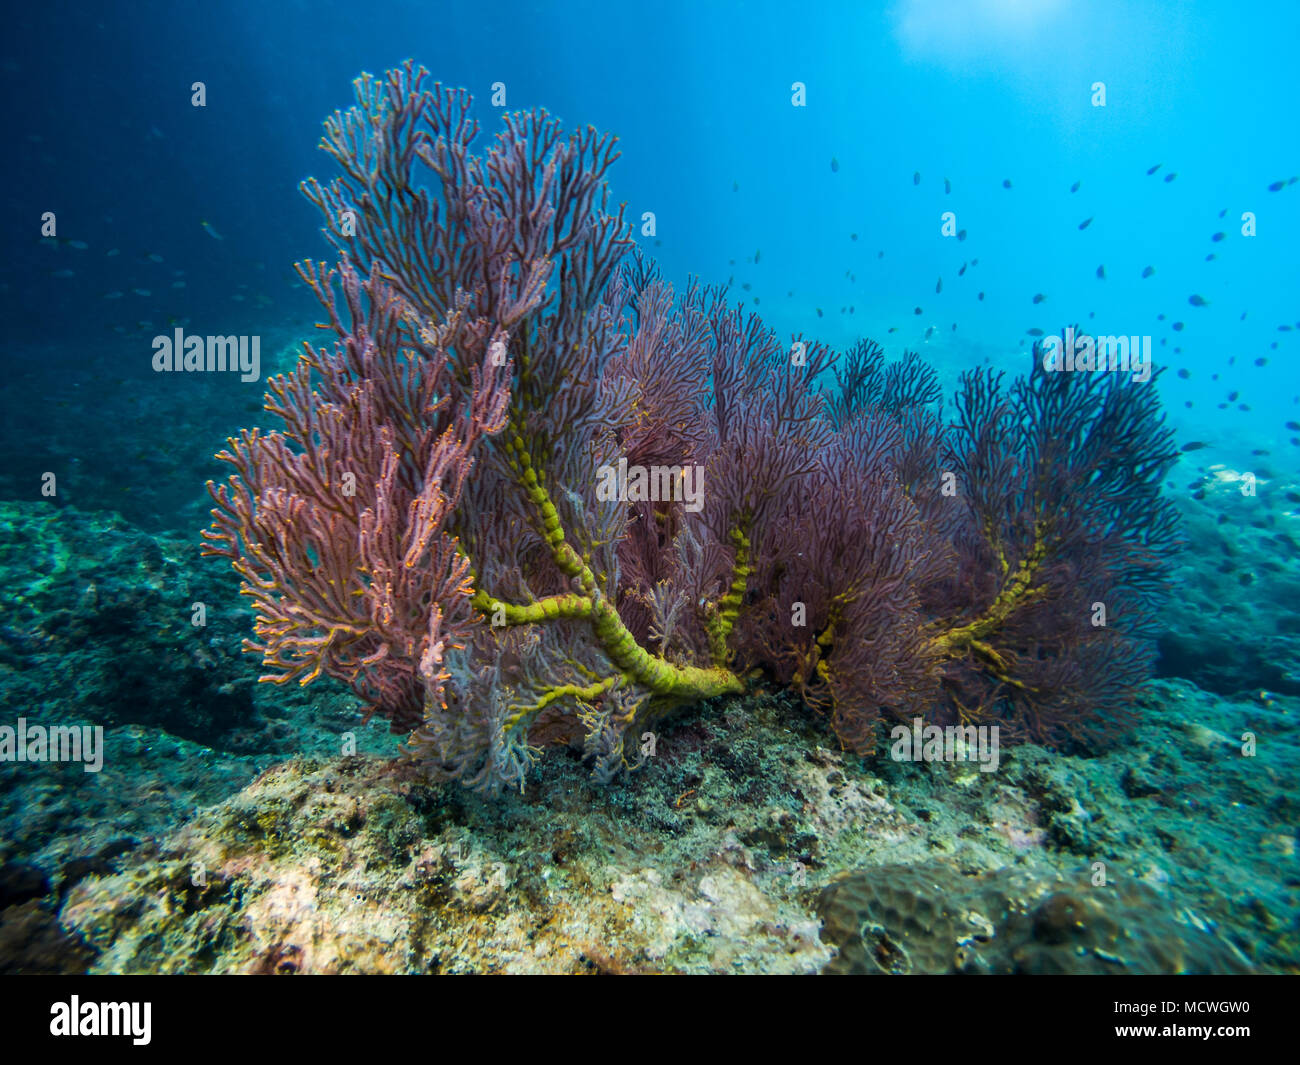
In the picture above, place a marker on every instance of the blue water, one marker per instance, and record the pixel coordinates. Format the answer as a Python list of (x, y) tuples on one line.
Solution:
[(101, 130)]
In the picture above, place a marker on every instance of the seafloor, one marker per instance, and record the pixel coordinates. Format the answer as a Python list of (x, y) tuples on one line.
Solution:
[(226, 833)]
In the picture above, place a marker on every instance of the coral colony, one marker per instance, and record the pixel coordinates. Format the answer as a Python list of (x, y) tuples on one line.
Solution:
[(531, 496)]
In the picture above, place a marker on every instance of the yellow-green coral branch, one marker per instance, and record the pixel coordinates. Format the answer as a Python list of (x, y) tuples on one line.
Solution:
[(561, 691), (728, 607)]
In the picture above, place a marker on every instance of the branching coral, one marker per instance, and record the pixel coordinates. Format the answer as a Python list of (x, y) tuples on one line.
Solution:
[(530, 496)]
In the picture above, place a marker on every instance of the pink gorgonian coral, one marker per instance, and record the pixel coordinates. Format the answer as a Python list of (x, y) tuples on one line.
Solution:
[(530, 495)]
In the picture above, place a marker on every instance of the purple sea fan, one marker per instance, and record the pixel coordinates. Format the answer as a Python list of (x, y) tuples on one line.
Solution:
[(1063, 543), (840, 618)]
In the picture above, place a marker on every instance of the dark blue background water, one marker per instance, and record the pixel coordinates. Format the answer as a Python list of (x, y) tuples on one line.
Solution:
[(100, 129)]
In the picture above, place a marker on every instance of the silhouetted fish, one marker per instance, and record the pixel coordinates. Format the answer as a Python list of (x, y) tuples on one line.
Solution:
[(1148, 271), (1039, 297), (938, 286), (1085, 223), (1006, 183), (1184, 374), (1217, 237), (961, 234), (1101, 272), (1154, 169), (981, 295), (1178, 327), (962, 270), (1194, 445), (917, 311), (1170, 177), (947, 186), (1034, 332), (1075, 186), (835, 165), (1197, 301), (916, 178), (1277, 186)]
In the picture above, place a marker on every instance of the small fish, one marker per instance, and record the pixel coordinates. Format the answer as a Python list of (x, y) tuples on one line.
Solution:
[(1217, 237), (212, 232), (1195, 445), (1232, 396), (735, 186), (853, 236), (1211, 257), (1197, 301), (938, 286), (114, 295), (178, 284), (111, 252), (1039, 297), (1170, 177), (961, 234), (1178, 327), (1085, 223), (981, 296), (1185, 373), (63, 273), (819, 312), (1293, 426), (916, 178), (1160, 317), (1101, 272), (835, 165), (1277, 186), (1258, 451), (974, 262), (962, 271), (880, 255), (1075, 186), (142, 292), (947, 186), (1261, 361), (929, 332), (1148, 271), (1154, 169), (154, 257), (756, 255), (80, 245), (1006, 183), (1035, 332), (1223, 212), (917, 311)]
